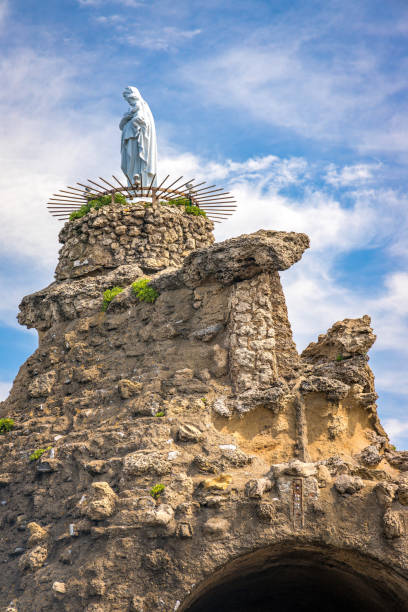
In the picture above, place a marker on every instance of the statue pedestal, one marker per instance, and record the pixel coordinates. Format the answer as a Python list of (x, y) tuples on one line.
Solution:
[(153, 236)]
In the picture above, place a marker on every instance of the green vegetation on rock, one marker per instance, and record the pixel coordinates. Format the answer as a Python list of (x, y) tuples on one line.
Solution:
[(196, 211), (157, 490), (160, 414), (97, 204), (38, 453), (6, 425), (190, 209), (108, 296), (119, 198), (177, 202), (143, 291)]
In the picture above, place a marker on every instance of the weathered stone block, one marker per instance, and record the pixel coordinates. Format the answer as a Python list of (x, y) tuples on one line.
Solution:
[(102, 503), (348, 485), (256, 487)]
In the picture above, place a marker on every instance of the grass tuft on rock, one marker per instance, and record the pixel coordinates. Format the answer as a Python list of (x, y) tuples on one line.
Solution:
[(157, 490), (38, 453), (6, 425), (195, 210), (97, 203), (143, 291), (108, 296), (190, 209)]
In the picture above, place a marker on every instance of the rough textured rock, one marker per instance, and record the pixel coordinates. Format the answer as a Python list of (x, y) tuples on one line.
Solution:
[(59, 588), (256, 487), (370, 455), (33, 559), (187, 443), (344, 339), (393, 526), (154, 238), (102, 502), (348, 484), (37, 534), (403, 493), (244, 257)]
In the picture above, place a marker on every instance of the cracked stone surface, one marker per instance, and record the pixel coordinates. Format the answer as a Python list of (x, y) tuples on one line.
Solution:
[(180, 436)]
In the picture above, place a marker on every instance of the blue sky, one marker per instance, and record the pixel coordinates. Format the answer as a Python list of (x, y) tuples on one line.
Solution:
[(299, 108)]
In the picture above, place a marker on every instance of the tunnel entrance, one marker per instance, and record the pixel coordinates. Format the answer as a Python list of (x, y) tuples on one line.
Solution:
[(303, 581)]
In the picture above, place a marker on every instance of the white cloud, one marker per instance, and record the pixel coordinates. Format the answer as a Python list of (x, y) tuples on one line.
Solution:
[(160, 39), (128, 3), (45, 145), (110, 19), (347, 176), (284, 81), (396, 297), (393, 381), (44, 149), (269, 170), (397, 429), (4, 12), (4, 389)]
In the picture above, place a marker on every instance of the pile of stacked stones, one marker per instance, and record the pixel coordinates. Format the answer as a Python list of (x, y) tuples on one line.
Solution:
[(155, 237)]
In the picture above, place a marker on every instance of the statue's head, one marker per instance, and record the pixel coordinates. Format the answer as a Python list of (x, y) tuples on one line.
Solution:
[(132, 94)]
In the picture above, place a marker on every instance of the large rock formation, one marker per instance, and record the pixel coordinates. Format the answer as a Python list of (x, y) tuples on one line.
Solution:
[(192, 459)]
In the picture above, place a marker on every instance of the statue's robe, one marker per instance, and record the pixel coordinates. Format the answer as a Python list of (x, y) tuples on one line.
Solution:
[(139, 146)]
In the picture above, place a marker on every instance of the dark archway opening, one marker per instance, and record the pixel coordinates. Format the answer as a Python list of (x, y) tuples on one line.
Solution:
[(303, 581)]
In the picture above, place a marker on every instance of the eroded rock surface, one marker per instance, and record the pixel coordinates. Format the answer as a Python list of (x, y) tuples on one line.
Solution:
[(182, 434)]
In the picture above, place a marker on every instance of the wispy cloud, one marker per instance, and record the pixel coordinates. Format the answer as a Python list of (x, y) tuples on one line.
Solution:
[(397, 429), (4, 12), (126, 3), (347, 176), (4, 389), (91, 2), (43, 149), (393, 381), (110, 19), (161, 39), (344, 93)]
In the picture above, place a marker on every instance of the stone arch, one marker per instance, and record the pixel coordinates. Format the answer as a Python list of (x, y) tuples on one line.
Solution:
[(302, 577)]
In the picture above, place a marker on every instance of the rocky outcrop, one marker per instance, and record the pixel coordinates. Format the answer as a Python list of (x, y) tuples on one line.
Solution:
[(344, 340), (160, 442)]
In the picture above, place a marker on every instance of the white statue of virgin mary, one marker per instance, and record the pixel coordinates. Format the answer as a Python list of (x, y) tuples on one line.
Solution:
[(138, 147)]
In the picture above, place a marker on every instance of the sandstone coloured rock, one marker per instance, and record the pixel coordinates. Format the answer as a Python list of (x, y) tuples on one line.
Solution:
[(349, 485), (102, 502), (194, 458)]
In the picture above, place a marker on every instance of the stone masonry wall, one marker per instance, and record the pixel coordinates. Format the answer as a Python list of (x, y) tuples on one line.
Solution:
[(262, 351), (154, 237)]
